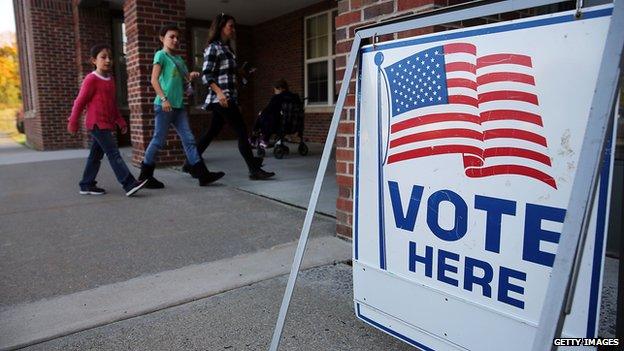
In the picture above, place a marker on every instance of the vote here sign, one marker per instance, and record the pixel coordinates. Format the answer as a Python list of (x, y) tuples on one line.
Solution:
[(466, 150)]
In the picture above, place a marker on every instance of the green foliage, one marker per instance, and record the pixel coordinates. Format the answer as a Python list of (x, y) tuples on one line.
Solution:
[(10, 94)]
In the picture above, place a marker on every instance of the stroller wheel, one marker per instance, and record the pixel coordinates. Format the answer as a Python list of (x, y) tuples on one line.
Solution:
[(260, 152), (303, 149), (279, 151)]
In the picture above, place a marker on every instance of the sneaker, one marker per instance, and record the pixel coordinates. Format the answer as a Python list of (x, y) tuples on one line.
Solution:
[(260, 175), (136, 187), (92, 190)]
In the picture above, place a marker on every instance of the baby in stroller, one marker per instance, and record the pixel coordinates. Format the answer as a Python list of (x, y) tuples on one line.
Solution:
[(282, 116)]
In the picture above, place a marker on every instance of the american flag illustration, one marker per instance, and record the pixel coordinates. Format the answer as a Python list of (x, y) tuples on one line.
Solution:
[(447, 99)]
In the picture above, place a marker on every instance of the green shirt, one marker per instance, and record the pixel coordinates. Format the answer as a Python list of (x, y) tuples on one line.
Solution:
[(170, 79)]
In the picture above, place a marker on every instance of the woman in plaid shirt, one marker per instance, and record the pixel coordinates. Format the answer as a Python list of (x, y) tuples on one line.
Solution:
[(219, 73)]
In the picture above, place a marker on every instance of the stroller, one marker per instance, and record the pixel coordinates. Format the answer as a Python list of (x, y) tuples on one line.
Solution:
[(290, 121)]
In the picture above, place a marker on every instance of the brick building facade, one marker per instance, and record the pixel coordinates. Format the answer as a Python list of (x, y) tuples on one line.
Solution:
[(54, 37)]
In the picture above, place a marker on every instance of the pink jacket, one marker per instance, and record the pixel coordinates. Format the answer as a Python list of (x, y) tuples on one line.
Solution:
[(97, 93)]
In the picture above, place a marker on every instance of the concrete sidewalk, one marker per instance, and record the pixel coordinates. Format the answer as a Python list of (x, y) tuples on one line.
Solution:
[(183, 268), (70, 263)]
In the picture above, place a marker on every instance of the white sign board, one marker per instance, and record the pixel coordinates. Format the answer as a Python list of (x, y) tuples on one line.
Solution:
[(467, 145)]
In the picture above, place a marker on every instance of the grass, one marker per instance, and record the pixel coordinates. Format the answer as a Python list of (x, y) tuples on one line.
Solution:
[(7, 125)]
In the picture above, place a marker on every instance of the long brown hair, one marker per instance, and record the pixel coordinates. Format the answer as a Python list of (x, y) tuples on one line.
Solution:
[(215, 29)]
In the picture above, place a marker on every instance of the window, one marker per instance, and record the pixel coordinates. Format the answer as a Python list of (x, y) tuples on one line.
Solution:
[(27, 76), (119, 53), (319, 59), (200, 38)]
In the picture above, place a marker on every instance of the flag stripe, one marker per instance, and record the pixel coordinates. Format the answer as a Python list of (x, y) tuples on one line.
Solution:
[(497, 115), (437, 134), (508, 95), (461, 83), (518, 152), (505, 77), (434, 150), (511, 169), (514, 134), (463, 100), (460, 66), (433, 118), (504, 59), (460, 48)]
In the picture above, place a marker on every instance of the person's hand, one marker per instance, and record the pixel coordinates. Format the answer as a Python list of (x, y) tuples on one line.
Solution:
[(72, 130), (193, 75), (124, 130), (166, 106), (223, 100)]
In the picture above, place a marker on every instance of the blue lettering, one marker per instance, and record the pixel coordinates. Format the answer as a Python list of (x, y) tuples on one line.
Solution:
[(461, 215), (534, 234), (443, 267), (504, 286), (470, 278), (408, 220), (427, 260), (495, 208)]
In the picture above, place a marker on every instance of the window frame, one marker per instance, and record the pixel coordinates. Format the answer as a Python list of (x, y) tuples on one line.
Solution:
[(330, 59), (119, 42)]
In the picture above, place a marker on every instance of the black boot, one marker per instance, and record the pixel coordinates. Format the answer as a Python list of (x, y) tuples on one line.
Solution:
[(147, 172), (205, 177), (186, 168), (260, 174)]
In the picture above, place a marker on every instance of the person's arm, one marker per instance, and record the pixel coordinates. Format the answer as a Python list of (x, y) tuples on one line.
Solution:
[(166, 105), (84, 96), (209, 71)]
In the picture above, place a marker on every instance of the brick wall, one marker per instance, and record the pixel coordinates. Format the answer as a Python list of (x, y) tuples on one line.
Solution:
[(48, 24), (143, 21), (54, 37), (278, 53)]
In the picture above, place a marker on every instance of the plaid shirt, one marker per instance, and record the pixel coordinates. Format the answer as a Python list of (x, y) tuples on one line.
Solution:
[(219, 67)]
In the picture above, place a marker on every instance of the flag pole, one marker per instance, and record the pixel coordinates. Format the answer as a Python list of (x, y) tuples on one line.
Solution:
[(379, 58)]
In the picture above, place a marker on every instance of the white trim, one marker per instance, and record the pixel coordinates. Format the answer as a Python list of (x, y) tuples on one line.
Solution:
[(329, 58), (101, 76), (319, 109)]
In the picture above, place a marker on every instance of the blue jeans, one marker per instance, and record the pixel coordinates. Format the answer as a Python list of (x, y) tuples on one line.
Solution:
[(104, 143), (179, 119)]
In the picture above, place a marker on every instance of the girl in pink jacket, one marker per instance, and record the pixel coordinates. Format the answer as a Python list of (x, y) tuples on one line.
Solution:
[(97, 94)]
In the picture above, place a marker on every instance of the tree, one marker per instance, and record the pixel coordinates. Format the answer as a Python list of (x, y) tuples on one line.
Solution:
[(10, 95)]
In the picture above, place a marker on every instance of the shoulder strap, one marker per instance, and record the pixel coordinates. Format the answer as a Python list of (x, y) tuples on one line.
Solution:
[(181, 69)]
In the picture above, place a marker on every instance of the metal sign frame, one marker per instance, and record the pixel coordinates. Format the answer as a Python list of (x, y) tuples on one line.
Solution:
[(585, 182)]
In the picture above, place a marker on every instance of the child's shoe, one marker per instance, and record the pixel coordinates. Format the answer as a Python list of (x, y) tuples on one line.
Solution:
[(260, 174), (136, 187), (92, 190)]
